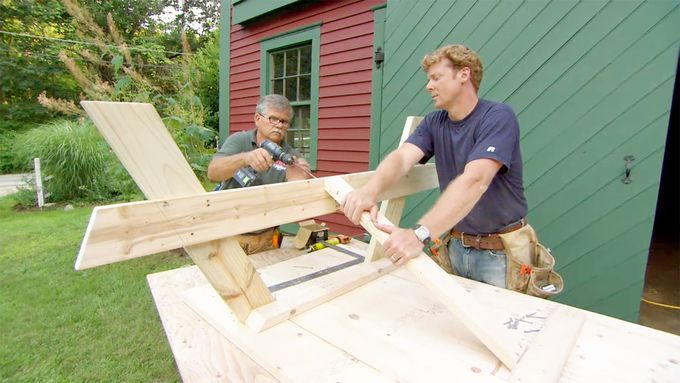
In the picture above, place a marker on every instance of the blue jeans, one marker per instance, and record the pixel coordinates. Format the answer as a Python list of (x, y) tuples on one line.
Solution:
[(488, 266)]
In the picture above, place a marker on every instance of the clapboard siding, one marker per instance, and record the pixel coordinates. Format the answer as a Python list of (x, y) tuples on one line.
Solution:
[(345, 68), (591, 82), (333, 101), (345, 122), (344, 134)]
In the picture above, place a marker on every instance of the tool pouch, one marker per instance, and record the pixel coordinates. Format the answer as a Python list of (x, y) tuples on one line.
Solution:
[(439, 252), (530, 265), (256, 243)]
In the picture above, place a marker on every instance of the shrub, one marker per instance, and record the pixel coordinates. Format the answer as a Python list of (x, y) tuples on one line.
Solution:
[(6, 153), (206, 64), (75, 160)]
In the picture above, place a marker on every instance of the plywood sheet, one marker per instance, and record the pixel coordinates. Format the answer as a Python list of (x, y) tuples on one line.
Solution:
[(293, 300), (201, 353), (286, 350), (398, 329), (473, 316)]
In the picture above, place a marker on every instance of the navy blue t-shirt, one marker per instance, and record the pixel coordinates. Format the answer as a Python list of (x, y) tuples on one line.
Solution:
[(489, 131)]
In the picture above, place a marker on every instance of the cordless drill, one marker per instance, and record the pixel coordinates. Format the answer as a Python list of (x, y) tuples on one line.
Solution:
[(247, 176)]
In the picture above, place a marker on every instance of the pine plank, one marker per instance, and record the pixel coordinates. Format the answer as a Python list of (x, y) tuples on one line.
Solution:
[(457, 300), (395, 326), (125, 231), (161, 171), (545, 357), (297, 299), (201, 353), (611, 350), (286, 351)]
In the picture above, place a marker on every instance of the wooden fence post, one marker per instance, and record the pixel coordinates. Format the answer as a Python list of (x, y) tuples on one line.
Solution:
[(38, 182)]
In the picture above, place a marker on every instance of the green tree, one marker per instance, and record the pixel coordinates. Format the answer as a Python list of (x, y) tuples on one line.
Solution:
[(53, 53), (30, 65), (206, 65)]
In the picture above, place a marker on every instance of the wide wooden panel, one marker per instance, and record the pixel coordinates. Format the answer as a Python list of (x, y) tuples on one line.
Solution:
[(473, 316), (168, 178), (201, 353), (395, 326), (305, 357), (294, 300)]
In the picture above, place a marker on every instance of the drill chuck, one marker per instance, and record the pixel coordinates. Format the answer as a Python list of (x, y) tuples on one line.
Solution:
[(277, 152), (247, 176)]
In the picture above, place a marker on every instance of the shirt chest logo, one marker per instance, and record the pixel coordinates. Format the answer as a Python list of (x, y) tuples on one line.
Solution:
[(491, 149)]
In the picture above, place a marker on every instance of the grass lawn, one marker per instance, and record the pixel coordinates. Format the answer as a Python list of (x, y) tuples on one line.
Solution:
[(59, 325)]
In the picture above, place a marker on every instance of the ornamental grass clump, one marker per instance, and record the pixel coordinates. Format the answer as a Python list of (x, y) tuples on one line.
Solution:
[(75, 160)]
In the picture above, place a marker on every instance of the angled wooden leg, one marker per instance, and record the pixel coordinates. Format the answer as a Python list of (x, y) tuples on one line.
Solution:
[(231, 274), (137, 135), (394, 208), (461, 304)]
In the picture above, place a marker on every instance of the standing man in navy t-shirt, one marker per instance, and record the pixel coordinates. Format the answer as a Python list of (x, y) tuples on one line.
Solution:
[(476, 148)]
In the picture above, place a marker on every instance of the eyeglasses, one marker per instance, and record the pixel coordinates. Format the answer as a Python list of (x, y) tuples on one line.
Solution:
[(274, 120)]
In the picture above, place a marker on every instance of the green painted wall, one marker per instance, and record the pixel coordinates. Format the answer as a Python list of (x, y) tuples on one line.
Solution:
[(225, 54), (591, 82)]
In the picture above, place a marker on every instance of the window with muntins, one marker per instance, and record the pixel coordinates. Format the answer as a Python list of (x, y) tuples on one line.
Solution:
[(291, 76), (290, 67)]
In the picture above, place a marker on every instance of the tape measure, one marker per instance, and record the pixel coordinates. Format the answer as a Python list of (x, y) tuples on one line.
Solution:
[(320, 245)]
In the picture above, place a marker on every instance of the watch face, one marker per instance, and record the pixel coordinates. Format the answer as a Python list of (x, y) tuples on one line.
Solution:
[(422, 233)]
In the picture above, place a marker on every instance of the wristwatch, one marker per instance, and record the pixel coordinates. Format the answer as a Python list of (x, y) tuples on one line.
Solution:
[(422, 233)]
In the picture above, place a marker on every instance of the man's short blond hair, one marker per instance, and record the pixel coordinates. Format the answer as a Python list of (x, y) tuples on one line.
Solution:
[(460, 56)]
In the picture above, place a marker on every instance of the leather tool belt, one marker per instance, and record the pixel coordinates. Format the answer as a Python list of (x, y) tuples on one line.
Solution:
[(486, 241)]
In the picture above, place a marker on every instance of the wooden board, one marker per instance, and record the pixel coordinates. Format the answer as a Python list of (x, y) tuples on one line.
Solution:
[(474, 317), (125, 231), (137, 135), (141, 142), (297, 299), (557, 337), (394, 326), (201, 353)]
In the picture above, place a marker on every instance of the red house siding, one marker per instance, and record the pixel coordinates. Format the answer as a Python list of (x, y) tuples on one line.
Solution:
[(345, 65)]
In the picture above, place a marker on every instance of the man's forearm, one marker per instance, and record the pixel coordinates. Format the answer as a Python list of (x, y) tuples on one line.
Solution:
[(223, 168)]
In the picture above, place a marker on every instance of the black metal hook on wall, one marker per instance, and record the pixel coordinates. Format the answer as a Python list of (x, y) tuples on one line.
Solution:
[(629, 165)]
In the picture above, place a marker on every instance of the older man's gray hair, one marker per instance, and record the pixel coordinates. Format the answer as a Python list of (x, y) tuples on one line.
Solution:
[(273, 101)]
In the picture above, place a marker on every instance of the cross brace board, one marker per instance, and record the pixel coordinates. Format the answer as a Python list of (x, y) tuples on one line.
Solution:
[(130, 230)]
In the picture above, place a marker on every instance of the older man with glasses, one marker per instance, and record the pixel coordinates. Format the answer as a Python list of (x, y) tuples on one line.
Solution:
[(273, 116)]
